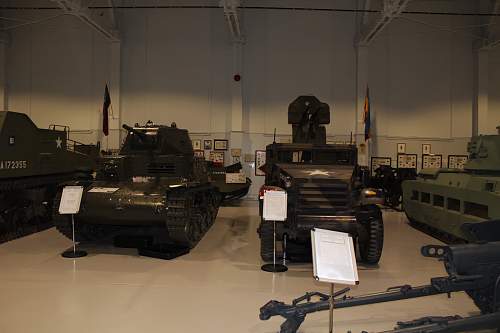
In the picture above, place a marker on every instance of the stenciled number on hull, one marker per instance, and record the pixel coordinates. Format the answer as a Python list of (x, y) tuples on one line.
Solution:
[(8, 165)]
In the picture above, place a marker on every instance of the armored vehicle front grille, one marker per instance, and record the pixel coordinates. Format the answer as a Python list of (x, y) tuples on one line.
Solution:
[(163, 168), (322, 199)]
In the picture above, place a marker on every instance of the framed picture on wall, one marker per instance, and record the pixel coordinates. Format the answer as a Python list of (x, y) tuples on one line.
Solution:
[(217, 157), (199, 153), (432, 161), (207, 144), (426, 149), (457, 161), (401, 148), (377, 162), (197, 144), (407, 161), (220, 144)]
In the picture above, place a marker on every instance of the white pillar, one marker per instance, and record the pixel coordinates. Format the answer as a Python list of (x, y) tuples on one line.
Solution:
[(362, 82), (484, 127), (236, 116), (115, 137), (3, 70)]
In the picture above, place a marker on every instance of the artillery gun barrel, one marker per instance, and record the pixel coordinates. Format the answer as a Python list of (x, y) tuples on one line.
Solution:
[(471, 267)]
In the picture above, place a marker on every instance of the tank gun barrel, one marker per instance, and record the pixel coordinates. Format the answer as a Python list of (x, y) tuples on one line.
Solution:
[(143, 136)]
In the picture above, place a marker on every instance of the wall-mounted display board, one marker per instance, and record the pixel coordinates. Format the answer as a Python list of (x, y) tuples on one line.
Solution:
[(220, 144), (426, 149), (457, 161), (196, 144), (217, 157), (260, 160), (236, 152), (407, 161), (432, 161), (377, 161), (199, 153), (401, 148)]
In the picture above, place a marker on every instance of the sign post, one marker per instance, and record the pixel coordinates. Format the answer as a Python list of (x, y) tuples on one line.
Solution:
[(275, 208), (71, 199), (334, 261)]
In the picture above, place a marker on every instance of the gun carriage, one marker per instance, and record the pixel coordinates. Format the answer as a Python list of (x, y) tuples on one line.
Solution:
[(472, 268)]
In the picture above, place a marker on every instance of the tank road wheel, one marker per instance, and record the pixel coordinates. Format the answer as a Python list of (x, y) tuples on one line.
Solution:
[(266, 240), (371, 250)]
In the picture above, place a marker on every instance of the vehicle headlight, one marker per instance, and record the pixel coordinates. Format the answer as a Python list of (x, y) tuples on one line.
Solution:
[(370, 193)]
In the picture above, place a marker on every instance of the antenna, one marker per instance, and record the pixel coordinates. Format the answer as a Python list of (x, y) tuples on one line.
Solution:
[(274, 137)]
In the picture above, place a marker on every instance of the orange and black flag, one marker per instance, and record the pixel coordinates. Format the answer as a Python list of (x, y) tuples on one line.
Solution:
[(105, 111), (366, 115)]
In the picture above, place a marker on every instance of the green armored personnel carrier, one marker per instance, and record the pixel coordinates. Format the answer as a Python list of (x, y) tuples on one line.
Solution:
[(154, 191), (441, 201), (33, 162)]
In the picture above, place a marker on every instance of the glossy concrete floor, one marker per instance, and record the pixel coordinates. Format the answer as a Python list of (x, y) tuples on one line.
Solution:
[(218, 287)]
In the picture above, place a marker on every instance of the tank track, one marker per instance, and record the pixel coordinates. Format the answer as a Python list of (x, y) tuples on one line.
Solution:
[(21, 219), (444, 237), (190, 214)]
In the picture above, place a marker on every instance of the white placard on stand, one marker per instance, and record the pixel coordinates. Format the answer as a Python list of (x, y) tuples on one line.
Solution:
[(71, 199), (275, 206), (334, 259)]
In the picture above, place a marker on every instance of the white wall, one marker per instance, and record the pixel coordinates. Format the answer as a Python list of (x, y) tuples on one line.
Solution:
[(177, 65), (494, 88), (56, 72), (294, 53)]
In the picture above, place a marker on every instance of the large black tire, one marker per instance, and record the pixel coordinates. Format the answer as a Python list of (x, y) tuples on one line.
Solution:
[(266, 240), (371, 250)]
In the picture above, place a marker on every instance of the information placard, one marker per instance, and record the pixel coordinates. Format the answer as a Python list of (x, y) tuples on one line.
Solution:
[(457, 161), (377, 162), (70, 200), (334, 259), (432, 161), (275, 206)]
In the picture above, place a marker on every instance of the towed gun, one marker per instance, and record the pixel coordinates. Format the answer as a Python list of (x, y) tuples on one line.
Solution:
[(473, 268)]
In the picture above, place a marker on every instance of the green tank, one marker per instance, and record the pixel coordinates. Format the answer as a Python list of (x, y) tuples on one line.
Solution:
[(33, 162), (155, 192), (440, 201)]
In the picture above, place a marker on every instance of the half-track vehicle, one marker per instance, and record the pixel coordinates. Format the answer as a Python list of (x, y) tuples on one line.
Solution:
[(33, 161), (440, 201), (323, 185), (154, 191)]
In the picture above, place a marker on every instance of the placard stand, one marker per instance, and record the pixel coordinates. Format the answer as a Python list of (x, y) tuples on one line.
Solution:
[(330, 326), (275, 208), (73, 253), (274, 267), (334, 261), (71, 198)]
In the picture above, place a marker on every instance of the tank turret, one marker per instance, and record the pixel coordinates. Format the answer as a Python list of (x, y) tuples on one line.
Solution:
[(484, 154)]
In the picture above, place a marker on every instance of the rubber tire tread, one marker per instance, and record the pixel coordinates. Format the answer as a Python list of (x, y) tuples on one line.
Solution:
[(372, 251), (266, 241)]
